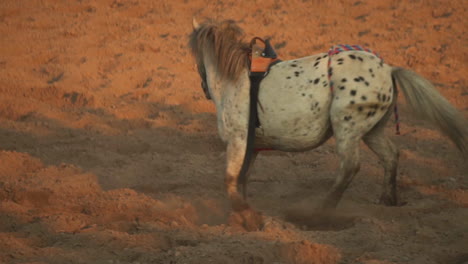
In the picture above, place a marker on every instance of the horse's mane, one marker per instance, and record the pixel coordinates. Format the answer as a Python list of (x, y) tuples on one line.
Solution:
[(222, 42)]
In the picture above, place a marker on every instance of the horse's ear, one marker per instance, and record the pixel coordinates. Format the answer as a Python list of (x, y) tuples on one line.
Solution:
[(195, 24)]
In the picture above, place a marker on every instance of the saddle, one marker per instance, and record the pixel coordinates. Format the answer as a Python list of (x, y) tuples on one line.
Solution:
[(262, 57)]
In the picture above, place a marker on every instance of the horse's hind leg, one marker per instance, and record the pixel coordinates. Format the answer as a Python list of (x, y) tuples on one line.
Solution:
[(348, 151), (387, 152)]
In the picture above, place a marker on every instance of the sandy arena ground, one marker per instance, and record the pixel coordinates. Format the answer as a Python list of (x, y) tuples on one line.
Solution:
[(109, 151)]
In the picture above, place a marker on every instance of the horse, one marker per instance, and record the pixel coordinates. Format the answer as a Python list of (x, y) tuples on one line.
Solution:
[(301, 103)]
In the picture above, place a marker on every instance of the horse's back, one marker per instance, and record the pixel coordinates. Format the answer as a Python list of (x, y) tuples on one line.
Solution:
[(301, 100), (294, 101)]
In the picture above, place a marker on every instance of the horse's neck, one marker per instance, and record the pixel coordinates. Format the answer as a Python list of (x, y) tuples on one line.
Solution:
[(212, 81), (221, 88), (216, 84)]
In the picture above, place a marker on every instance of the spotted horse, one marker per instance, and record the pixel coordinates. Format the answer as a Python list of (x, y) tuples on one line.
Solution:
[(349, 94)]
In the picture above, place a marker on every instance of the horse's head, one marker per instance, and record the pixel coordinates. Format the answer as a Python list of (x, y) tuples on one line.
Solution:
[(218, 43)]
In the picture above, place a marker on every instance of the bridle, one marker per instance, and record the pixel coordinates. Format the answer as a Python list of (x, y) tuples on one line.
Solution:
[(204, 83)]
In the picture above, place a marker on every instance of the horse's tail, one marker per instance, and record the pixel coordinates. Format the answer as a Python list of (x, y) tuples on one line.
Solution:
[(427, 103)]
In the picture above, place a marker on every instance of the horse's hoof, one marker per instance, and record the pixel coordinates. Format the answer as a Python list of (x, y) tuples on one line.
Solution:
[(248, 219), (326, 207)]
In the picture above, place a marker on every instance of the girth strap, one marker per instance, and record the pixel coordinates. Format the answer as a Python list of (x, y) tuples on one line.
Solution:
[(261, 58)]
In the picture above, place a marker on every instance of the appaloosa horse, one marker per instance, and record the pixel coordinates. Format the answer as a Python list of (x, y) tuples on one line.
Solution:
[(347, 94)]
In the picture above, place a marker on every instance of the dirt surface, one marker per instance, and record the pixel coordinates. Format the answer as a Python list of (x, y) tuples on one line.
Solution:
[(109, 151)]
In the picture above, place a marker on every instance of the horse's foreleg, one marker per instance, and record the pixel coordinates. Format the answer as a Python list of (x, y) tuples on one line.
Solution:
[(250, 219), (243, 182), (235, 158), (348, 151)]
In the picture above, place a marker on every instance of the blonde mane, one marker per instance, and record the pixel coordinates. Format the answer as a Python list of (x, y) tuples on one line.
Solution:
[(222, 43)]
